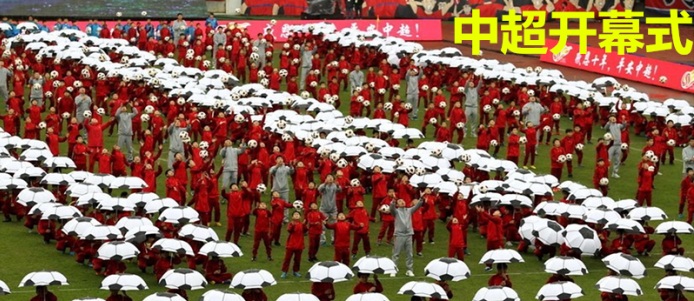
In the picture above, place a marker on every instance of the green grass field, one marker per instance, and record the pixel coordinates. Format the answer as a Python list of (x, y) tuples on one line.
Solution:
[(22, 252)]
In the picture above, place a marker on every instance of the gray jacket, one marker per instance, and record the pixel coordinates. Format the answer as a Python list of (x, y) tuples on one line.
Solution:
[(219, 38), (356, 79), (687, 158), (175, 142), (280, 177), (36, 93), (412, 84), (5, 75), (306, 57), (403, 218), (327, 196), (230, 157), (177, 27), (83, 103), (615, 129), (532, 112), (472, 96), (125, 122)]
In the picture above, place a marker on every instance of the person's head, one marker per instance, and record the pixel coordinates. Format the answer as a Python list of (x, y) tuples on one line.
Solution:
[(497, 213), (400, 203), (529, 124), (690, 172), (391, 192), (275, 194), (234, 187), (296, 216), (556, 142), (360, 204), (569, 132), (341, 216), (363, 277), (330, 178), (262, 205), (613, 118), (601, 162), (314, 206)]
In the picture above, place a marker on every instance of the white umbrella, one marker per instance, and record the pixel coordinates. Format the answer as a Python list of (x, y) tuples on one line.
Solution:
[(674, 227), (619, 285), (647, 214), (368, 297), (116, 204), (594, 202), (625, 264), (375, 265), (39, 209), (329, 272), (574, 211), (35, 155), (250, 279), (179, 215), (174, 246), (184, 279), (99, 179), (29, 172), (127, 223), (549, 233), (583, 239), (4, 289), (32, 196), (625, 205), (93, 198), (77, 226), (79, 189), (297, 297), (501, 256), (408, 133), (59, 162), (486, 197), (584, 193), (552, 208), (117, 250), (217, 295), (426, 180), (13, 184), (559, 291), (198, 233), (626, 225), (157, 205), (680, 283), (423, 289), (101, 232), (43, 278), (601, 216), (141, 199), (123, 282), (57, 179), (79, 175), (164, 297), (447, 269), (496, 293), (516, 200), (127, 183), (140, 234), (61, 212), (222, 249), (675, 262), (564, 265), (530, 225)]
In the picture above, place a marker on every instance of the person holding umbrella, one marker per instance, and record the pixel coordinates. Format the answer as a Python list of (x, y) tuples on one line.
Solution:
[(325, 291), (43, 294), (665, 293), (671, 245), (216, 271), (254, 294), (501, 277), (495, 232), (444, 285), (116, 296), (364, 286)]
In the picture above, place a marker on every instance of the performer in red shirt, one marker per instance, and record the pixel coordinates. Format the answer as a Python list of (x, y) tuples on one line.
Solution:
[(501, 278), (364, 286), (295, 245)]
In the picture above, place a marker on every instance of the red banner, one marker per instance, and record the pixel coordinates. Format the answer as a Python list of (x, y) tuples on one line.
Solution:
[(399, 9), (666, 5), (641, 69), (410, 30)]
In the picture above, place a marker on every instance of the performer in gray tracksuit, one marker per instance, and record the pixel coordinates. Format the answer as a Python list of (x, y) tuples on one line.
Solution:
[(472, 105), (306, 65), (356, 78), (413, 91), (175, 141), (404, 231), (615, 151), (230, 161), (125, 131), (5, 75), (328, 205)]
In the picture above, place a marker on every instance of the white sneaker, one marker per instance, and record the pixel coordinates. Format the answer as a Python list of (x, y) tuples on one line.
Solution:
[(392, 275), (409, 274), (616, 176)]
